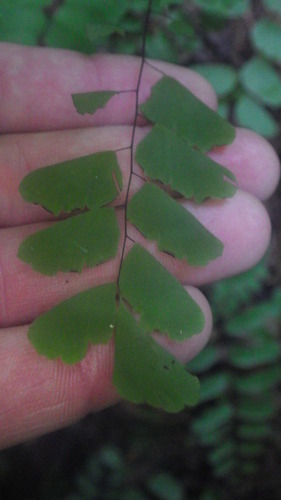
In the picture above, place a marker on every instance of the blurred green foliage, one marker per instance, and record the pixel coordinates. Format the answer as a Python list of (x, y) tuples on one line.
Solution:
[(224, 8), (236, 420), (22, 21), (235, 431)]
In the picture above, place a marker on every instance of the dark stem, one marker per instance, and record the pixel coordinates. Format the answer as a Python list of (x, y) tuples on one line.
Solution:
[(139, 176), (131, 239), (146, 22), (124, 91), (154, 67), (122, 149)]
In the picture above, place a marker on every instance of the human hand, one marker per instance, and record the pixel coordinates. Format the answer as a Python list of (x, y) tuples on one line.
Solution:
[(41, 127)]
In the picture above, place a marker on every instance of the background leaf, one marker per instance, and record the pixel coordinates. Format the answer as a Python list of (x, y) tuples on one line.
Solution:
[(254, 431), (84, 240), (225, 8), (266, 36), (250, 321), (85, 182), (214, 385), (250, 114), (145, 372), (22, 22), (181, 26), (166, 487), (266, 351), (240, 287), (176, 231), (257, 410), (66, 330), (184, 114), (223, 452), (222, 77), (71, 21), (213, 418), (251, 449), (168, 158), (260, 79), (89, 102), (205, 360), (158, 46), (261, 381), (273, 5), (163, 303), (97, 30)]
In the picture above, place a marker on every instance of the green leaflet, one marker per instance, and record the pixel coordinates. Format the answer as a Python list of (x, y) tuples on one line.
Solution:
[(163, 303), (223, 453), (205, 360), (97, 30), (273, 5), (255, 431), (87, 182), (66, 330), (258, 355), (258, 382), (257, 410), (214, 385), (168, 158), (86, 239), (22, 22), (161, 485), (145, 373), (89, 102), (251, 449), (223, 8), (222, 77), (176, 231), (248, 113), (70, 22), (213, 418), (176, 108), (266, 37), (262, 81)]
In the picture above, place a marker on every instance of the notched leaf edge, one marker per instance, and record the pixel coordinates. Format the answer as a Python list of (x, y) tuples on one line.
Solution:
[(90, 102)]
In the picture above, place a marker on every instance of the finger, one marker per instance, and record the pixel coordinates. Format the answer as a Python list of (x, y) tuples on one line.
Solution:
[(36, 86), (243, 226), (241, 223), (39, 396), (250, 157)]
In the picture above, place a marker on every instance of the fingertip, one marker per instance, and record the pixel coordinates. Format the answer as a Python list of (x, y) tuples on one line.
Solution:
[(267, 163), (241, 223), (245, 229), (253, 161), (253, 223)]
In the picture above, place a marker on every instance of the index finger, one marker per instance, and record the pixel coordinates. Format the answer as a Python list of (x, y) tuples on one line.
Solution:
[(36, 84)]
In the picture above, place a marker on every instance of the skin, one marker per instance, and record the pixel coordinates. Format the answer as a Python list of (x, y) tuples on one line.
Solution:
[(39, 126)]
